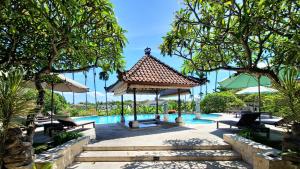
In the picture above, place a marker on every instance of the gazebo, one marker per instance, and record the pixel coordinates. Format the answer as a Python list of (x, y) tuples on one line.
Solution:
[(151, 76)]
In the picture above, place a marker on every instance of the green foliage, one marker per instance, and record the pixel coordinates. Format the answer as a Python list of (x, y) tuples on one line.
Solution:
[(53, 36), (60, 103), (46, 165), (249, 134), (220, 102), (13, 102), (246, 133), (63, 137), (39, 148), (172, 105), (235, 35), (276, 104), (289, 87)]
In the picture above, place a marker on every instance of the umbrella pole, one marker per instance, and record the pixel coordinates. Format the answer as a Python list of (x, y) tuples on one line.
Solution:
[(259, 94), (73, 92), (85, 79), (52, 101)]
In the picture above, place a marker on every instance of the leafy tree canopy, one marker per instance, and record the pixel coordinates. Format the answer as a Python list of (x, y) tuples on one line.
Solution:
[(59, 36), (236, 35)]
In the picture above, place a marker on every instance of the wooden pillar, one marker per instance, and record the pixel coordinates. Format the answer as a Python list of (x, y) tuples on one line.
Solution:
[(122, 106), (122, 110), (156, 92), (179, 104), (134, 104)]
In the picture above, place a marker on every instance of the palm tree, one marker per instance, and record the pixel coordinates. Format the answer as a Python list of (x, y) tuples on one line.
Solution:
[(85, 81), (94, 72), (104, 76)]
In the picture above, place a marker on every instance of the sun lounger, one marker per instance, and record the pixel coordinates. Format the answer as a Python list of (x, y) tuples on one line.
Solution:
[(240, 113), (247, 120), (64, 124), (70, 123)]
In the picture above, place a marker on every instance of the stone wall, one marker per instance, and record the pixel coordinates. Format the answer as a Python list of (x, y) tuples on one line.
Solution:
[(61, 156), (258, 155)]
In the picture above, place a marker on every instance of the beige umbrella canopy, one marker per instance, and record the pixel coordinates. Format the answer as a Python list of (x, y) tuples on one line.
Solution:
[(67, 85), (64, 84)]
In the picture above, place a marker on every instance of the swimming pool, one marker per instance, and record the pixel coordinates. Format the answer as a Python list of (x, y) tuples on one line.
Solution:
[(187, 118)]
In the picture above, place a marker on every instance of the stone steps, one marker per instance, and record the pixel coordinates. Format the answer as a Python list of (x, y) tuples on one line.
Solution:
[(168, 155), (157, 148)]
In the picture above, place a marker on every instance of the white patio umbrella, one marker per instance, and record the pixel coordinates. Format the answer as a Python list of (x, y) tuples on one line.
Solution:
[(252, 90), (65, 85), (257, 89)]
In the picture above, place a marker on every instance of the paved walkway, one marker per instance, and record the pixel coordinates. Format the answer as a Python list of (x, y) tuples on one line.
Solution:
[(116, 135), (191, 135)]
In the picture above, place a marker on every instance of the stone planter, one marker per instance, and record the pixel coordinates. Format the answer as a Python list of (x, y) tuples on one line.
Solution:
[(258, 155), (291, 141), (296, 129), (61, 156), (293, 158), (19, 152)]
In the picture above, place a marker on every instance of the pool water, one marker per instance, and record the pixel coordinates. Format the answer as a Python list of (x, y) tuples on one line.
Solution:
[(187, 118)]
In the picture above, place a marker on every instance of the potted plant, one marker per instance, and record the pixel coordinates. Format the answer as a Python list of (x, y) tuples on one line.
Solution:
[(15, 149), (290, 89)]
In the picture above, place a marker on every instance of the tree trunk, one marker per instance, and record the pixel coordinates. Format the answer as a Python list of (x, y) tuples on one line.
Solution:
[(39, 107)]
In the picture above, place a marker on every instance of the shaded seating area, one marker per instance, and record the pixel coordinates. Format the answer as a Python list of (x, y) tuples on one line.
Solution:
[(247, 121), (151, 76)]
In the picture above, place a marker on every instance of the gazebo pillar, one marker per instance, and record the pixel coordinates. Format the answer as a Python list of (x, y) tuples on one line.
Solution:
[(179, 118), (135, 123), (156, 99), (122, 110)]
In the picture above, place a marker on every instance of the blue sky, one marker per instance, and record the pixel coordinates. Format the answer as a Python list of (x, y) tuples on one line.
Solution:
[(146, 22)]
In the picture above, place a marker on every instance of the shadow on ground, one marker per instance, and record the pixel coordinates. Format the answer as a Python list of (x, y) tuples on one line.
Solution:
[(114, 131), (165, 165), (186, 165), (190, 142)]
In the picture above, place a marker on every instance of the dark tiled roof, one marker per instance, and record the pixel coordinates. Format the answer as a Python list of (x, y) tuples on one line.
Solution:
[(150, 70)]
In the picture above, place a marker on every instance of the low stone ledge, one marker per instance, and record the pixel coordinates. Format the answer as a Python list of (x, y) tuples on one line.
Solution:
[(258, 155), (63, 155)]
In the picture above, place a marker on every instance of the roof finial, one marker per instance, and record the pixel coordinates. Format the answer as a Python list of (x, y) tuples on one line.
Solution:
[(147, 51)]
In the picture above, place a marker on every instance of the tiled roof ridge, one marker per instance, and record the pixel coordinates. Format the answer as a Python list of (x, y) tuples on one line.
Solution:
[(172, 69), (135, 67)]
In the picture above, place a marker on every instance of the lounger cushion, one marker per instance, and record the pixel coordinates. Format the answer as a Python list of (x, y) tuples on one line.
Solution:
[(248, 119)]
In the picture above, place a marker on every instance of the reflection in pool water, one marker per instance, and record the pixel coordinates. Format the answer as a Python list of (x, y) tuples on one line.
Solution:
[(187, 118)]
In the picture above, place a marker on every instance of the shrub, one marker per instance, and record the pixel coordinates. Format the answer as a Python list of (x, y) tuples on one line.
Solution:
[(63, 137), (40, 147), (220, 102), (59, 101)]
